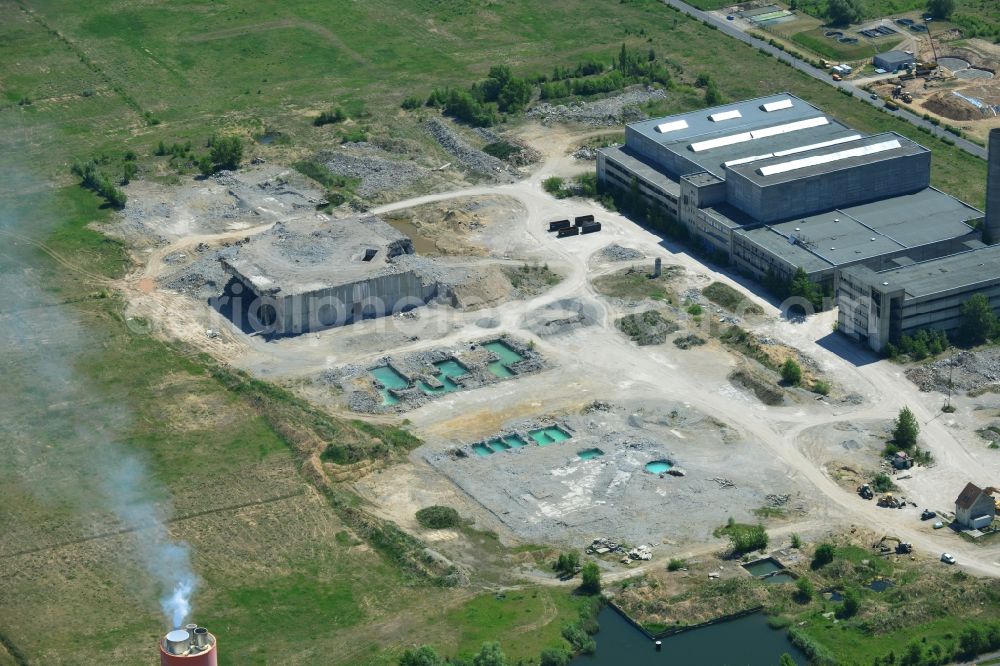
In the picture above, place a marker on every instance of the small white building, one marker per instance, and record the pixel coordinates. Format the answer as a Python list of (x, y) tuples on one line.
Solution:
[(974, 508)]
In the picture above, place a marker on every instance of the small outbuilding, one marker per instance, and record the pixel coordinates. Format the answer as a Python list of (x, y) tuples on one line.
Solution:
[(974, 508), (893, 61)]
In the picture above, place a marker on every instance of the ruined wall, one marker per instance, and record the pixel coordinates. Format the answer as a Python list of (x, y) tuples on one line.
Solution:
[(340, 305)]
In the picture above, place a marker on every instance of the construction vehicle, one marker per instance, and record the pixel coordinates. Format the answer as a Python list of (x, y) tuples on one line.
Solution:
[(865, 491), (906, 97), (901, 548), (927, 515), (889, 501)]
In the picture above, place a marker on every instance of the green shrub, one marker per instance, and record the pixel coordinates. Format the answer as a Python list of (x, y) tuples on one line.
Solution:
[(821, 387), (882, 483), (906, 429), (791, 372), (330, 117), (438, 517), (568, 562), (694, 310), (747, 538), (554, 186), (675, 564), (796, 541), (412, 102), (804, 590), (823, 555), (591, 577)]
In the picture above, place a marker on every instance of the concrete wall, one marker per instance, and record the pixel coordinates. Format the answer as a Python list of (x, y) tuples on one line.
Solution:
[(343, 304), (834, 189), (991, 231), (673, 163), (613, 174)]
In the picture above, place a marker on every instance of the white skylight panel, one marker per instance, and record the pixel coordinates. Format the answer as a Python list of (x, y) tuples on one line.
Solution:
[(772, 169), (700, 146), (777, 106), (672, 126), (725, 115), (819, 121), (813, 146), (744, 160)]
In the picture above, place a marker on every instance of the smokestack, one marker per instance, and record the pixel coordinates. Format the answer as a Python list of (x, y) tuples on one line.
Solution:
[(190, 646), (991, 228)]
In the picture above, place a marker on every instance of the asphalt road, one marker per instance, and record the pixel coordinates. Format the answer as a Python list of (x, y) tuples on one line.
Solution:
[(726, 28)]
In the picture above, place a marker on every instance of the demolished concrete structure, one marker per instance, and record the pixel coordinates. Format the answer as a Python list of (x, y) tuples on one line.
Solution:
[(322, 273)]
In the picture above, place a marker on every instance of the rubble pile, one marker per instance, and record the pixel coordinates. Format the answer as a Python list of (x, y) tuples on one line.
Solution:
[(604, 545), (615, 110)]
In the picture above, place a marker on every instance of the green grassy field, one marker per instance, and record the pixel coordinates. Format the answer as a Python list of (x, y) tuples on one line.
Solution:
[(267, 545)]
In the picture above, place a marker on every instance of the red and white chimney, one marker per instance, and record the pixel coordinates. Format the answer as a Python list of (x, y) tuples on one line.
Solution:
[(190, 646)]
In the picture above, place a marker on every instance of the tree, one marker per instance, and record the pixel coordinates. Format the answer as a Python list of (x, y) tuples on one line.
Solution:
[(490, 655), (940, 9), (591, 575), (851, 605), (823, 555), (843, 12), (804, 590), (205, 165), (978, 323), (786, 660), (805, 288), (553, 657), (422, 656), (791, 372), (226, 152), (568, 562), (905, 429)]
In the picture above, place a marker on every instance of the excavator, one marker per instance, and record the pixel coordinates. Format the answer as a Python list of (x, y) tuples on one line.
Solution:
[(902, 547), (889, 501)]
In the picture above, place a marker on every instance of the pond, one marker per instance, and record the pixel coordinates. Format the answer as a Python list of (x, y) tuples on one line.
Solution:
[(747, 641), (763, 567), (658, 466)]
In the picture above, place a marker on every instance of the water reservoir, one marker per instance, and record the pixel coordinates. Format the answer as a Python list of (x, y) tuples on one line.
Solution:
[(551, 435), (658, 466)]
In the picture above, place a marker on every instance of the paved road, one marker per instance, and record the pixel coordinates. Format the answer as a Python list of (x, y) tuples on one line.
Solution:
[(726, 28)]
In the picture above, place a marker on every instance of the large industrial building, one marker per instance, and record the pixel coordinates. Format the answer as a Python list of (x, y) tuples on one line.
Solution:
[(775, 185)]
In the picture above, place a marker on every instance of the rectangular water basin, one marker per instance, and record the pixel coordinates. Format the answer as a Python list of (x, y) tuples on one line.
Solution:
[(590, 454), (550, 435), (515, 441), (763, 567), (446, 371), (481, 449), (507, 357), (390, 379), (498, 445)]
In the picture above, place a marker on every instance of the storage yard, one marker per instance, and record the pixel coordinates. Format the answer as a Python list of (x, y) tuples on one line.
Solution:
[(523, 436)]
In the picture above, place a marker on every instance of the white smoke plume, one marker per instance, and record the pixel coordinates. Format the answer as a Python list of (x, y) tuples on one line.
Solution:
[(60, 438)]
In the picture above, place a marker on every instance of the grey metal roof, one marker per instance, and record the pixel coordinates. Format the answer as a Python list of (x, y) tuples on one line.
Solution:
[(925, 278), (857, 233), (642, 169), (894, 58), (752, 116), (752, 169)]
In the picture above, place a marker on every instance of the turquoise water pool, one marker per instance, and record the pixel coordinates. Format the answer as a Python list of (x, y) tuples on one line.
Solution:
[(498, 445), (550, 435), (590, 454), (515, 441), (390, 379), (507, 357), (447, 370), (658, 466), (481, 449)]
